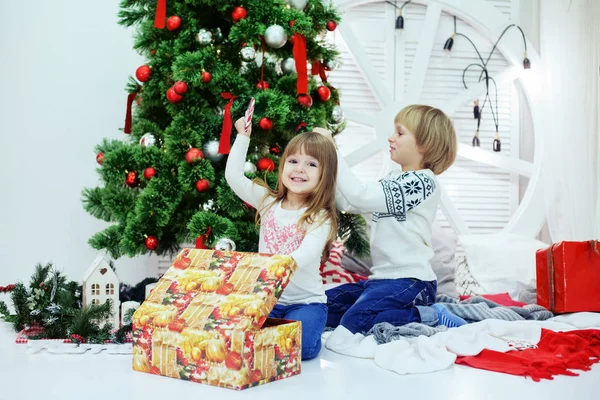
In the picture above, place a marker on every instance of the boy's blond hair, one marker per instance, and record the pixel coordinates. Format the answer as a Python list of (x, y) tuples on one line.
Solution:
[(434, 134)]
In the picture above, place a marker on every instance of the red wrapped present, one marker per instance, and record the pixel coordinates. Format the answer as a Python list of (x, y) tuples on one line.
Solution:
[(568, 277)]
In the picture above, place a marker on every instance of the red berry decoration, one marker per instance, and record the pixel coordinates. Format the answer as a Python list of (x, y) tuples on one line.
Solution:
[(180, 87), (206, 76), (265, 124), (172, 96), (100, 158), (143, 73), (262, 85), (193, 154), (173, 23), (149, 173), (265, 164), (202, 185), (324, 93), (275, 150), (131, 179), (305, 100), (331, 25), (239, 13), (151, 243)]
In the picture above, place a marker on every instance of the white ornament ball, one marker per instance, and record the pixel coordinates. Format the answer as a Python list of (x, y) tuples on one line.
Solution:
[(148, 140), (288, 66), (204, 37), (248, 53), (297, 4), (225, 244), (211, 151), (337, 114), (275, 36), (249, 167), (208, 205)]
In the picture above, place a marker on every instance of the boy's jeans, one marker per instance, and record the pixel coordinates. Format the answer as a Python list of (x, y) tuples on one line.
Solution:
[(313, 317), (359, 306)]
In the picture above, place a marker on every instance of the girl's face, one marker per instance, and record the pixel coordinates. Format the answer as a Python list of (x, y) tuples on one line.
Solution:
[(301, 174), (404, 149)]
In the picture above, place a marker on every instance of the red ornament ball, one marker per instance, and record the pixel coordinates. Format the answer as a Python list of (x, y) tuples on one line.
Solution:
[(180, 87), (151, 243), (206, 76), (265, 124), (265, 164), (324, 93), (193, 154), (172, 96), (331, 25), (262, 85), (275, 150), (173, 23), (149, 173), (239, 13), (202, 185), (143, 73), (100, 158), (305, 100), (131, 179)]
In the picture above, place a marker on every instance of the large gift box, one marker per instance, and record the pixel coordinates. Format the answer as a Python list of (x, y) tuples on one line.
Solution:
[(206, 321), (568, 277)]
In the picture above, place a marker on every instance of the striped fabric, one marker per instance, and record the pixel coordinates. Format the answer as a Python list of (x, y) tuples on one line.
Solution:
[(23, 336), (332, 270)]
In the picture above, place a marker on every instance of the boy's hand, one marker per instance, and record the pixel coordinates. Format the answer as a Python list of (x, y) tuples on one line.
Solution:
[(325, 133), (240, 125)]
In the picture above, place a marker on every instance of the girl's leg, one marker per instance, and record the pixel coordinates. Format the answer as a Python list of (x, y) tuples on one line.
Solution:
[(313, 317)]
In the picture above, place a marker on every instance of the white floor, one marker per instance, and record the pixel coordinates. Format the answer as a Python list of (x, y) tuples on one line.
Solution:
[(110, 377)]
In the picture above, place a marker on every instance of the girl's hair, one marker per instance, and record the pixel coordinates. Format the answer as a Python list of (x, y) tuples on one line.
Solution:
[(434, 133), (320, 203)]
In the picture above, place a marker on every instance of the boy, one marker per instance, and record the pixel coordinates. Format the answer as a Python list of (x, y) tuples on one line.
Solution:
[(402, 285)]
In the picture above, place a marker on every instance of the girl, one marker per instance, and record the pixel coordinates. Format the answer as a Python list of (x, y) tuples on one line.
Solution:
[(297, 219)]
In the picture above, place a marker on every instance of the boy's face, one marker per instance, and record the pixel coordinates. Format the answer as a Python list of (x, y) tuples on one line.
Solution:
[(404, 149)]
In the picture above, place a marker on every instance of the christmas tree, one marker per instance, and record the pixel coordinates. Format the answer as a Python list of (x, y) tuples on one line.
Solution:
[(163, 184)]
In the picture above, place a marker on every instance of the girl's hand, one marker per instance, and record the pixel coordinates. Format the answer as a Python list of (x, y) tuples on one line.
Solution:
[(240, 125)]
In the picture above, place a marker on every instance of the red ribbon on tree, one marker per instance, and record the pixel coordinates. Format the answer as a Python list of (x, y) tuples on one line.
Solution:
[(130, 99), (319, 69), (300, 58), (200, 240), (300, 125), (161, 14), (225, 142)]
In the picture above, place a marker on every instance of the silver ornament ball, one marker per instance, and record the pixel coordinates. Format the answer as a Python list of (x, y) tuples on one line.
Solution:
[(248, 53), (225, 244), (211, 151), (249, 167), (288, 66), (208, 205), (331, 65), (297, 4), (337, 114), (148, 140), (204, 37), (275, 36)]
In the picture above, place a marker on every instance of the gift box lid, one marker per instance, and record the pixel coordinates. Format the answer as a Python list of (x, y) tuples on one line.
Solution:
[(206, 289)]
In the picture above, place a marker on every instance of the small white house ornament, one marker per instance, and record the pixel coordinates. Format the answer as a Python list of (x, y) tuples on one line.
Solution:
[(101, 283)]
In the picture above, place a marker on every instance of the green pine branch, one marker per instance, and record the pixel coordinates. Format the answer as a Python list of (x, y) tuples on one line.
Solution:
[(353, 227)]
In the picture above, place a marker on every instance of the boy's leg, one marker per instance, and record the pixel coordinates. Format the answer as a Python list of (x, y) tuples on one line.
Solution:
[(340, 299), (313, 317), (390, 300)]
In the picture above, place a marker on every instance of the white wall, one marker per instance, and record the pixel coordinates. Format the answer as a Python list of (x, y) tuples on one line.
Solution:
[(62, 76)]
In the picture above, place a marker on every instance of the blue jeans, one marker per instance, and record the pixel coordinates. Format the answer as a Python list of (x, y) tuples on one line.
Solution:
[(313, 317), (359, 306)]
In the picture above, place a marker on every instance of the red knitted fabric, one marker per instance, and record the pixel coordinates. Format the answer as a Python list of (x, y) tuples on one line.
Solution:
[(557, 354)]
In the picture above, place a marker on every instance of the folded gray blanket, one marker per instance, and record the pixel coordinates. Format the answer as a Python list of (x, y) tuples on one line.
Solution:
[(473, 309)]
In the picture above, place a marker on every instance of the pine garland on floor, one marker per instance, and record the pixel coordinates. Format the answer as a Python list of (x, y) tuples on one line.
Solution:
[(53, 304)]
